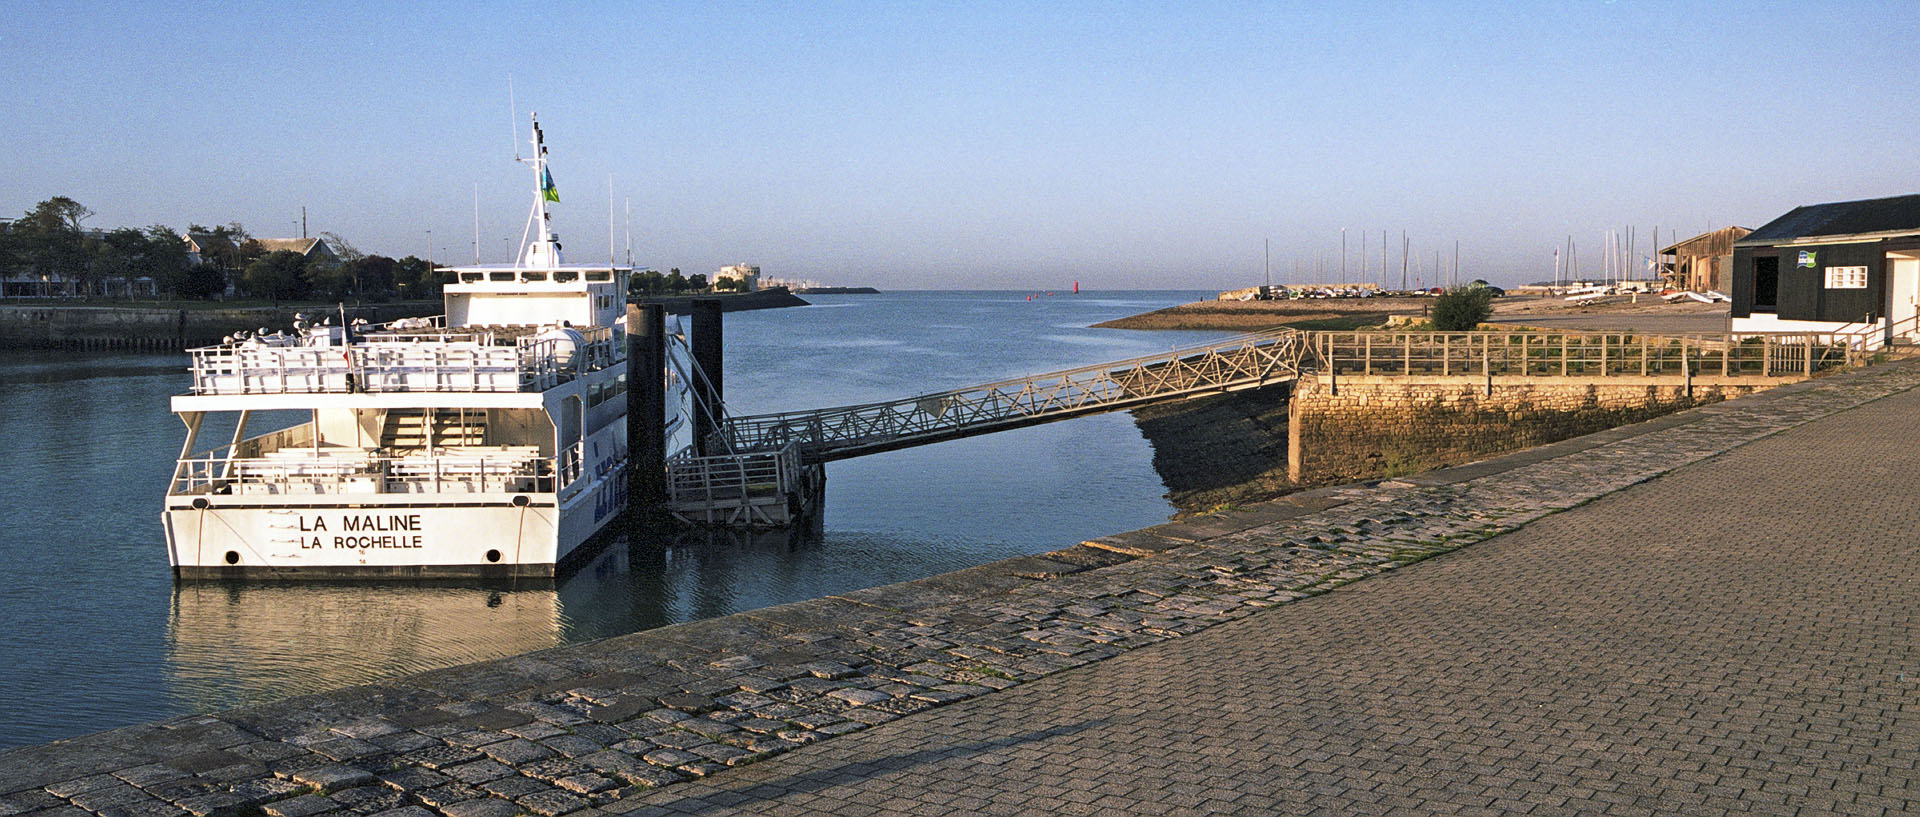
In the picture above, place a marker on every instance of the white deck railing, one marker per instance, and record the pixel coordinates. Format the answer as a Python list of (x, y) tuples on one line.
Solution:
[(476, 469), (439, 364)]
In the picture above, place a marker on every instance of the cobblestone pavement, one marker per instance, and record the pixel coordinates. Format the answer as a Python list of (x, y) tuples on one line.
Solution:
[(1738, 635)]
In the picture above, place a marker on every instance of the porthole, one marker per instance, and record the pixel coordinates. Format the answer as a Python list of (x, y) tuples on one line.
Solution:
[(493, 556), (233, 557)]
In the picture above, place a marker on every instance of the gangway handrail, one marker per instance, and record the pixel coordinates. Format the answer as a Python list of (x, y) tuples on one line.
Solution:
[(1236, 362)]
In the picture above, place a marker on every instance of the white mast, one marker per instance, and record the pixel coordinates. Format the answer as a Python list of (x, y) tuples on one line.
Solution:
[(544, 252)]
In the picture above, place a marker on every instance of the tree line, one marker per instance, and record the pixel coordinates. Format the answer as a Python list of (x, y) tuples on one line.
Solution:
[(49, 244)]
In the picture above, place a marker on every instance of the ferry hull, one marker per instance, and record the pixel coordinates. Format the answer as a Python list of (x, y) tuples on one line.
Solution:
[(476, 538)]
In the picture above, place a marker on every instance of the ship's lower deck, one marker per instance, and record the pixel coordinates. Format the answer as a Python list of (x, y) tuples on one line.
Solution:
[(388, 535)]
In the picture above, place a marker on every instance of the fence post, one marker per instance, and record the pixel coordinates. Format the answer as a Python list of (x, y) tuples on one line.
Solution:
[(1809, 371), (1766, 356), (1686, 368), (1446, 355), (1486, 363), (1366, 365)]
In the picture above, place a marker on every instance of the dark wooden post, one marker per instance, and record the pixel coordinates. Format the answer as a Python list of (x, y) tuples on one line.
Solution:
[(707, 346), (646, 407)]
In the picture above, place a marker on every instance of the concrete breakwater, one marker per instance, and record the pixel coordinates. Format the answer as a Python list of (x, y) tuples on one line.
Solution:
[(595, 726), (137, 328)]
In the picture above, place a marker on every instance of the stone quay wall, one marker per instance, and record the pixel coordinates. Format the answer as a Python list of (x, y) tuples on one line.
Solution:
[(62, 326), (1348, 428)]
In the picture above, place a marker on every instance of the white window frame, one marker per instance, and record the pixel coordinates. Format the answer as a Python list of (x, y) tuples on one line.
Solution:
[(1847, 277)]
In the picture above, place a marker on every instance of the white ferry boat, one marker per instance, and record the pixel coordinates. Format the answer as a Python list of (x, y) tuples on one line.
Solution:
[(491, 440)]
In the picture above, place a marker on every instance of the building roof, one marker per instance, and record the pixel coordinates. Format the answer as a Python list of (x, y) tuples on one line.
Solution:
[(1712, 242), (302, 246), (1866, 218)]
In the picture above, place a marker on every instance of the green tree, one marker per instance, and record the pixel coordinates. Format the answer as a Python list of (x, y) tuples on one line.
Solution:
[(276, 275), (1462, 309), (50, 243), (697, 280), (647, 282), (120, 255), (676, 282), (416, 279), (166, 263), (372, 276), (326, 278)]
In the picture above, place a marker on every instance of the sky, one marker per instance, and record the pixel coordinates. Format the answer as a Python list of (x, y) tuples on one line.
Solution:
[(921, 145)]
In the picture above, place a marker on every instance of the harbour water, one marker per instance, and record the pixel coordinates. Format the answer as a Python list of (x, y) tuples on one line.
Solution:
[(97, 635)]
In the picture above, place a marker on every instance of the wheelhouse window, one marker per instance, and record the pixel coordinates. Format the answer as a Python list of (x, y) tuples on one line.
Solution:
[(500, 276), (531, 276), (470, 277), (565, 276), (599, 275)]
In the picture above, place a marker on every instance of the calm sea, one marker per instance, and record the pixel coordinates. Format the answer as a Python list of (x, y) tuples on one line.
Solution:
[(97, 635)]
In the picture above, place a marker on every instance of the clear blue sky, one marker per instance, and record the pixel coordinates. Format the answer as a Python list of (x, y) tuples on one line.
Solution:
[(962, 145)]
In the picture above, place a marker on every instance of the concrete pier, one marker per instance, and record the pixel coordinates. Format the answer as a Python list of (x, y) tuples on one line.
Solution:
[(1705, 613)]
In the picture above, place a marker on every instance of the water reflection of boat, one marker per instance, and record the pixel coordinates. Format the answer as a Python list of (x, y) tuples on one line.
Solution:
[(233, 644)]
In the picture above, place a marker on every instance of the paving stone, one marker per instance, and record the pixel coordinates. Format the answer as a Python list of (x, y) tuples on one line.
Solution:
[(369, 799), (477, 772), (405, 811), (329, 778), (514, 787), (303, 806), (483, 807), (266, 789), (687, 702), (347, 748), (859, 697), (587, 783), (517, 751), (442, 796), (215, 803), (552, 803), (143, 808), (78, 785), (573, 745)]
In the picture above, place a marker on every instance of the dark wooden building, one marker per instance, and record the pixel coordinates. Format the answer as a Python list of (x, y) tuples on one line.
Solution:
[(1842, 266), (1703, 263)]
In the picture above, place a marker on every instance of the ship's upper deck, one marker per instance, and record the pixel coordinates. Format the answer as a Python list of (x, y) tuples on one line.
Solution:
[(408, 356)]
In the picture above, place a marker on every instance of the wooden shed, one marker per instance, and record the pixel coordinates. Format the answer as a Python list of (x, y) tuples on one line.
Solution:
[(1702, 263)]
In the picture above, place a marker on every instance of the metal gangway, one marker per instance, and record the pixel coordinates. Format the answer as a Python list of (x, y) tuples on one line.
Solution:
[(823, 435)]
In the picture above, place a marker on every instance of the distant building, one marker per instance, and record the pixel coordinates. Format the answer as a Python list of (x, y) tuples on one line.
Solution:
[(1702, 263), (310, 248), (1847, 266), (747, 274)]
